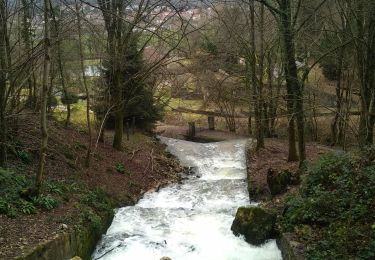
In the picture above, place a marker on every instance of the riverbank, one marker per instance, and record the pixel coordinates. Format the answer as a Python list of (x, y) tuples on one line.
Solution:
[(325, 212), (274, 157), (272, 161), (191, 219), (73, 195)]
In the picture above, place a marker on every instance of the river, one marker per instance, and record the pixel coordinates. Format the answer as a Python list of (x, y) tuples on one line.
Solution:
[(190, 220)]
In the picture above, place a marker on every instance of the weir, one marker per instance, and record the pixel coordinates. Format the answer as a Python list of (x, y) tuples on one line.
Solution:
[(190, 220)]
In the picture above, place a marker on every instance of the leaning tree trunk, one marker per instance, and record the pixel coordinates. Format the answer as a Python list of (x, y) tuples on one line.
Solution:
[(43, 97)]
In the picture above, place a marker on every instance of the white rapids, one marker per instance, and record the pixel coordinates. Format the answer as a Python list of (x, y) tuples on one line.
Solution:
[(191, 220)]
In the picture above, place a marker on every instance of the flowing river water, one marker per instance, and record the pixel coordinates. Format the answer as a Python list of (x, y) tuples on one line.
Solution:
[(191, 220)]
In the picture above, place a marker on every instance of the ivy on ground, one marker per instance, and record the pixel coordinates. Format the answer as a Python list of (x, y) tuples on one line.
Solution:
[(334, 211)]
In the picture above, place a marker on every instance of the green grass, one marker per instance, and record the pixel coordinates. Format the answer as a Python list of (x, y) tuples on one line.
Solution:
[(190, 104), (78, 114), (92, 62)]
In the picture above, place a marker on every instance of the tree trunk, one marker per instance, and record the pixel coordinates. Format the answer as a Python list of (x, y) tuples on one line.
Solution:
[(61, 69), (336, 127), (3, 85), (257, 91), (366, 68), (26, 37), (44, 96), (89, 147), (294, 88), (271, 102), (119, 114), (113, 18)]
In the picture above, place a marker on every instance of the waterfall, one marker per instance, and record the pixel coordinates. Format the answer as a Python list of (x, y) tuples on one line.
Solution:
[(190, 220)]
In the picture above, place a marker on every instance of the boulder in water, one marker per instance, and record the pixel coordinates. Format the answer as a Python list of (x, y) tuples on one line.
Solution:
[(165, 258), (255, 223)]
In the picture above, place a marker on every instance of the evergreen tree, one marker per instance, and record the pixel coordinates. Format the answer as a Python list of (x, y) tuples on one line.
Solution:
[(138, 96)]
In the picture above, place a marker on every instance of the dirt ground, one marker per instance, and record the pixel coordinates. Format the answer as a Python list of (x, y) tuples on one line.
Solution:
[(146, 164), (144, 160), (275, 156)]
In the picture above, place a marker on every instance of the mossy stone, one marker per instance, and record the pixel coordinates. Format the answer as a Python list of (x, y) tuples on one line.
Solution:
[(255, 223), (278, 181)]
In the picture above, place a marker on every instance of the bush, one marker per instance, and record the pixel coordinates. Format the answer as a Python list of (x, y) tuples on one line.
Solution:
[(13, 203), (19, 150), (89, 216), (52, 102), (26, 207), (120, 168), (46, 202), (97, 200), (11, 184), (70, 99), (337, 200)]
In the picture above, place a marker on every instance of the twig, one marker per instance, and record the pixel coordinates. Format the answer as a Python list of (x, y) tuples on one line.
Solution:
[(150, 162), (133, 153)]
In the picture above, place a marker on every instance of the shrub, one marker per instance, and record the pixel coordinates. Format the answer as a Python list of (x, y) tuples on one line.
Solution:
[(55, 187), (25, 157), (13, 203), (26, 207), (337, 199), (120, 168), (89, 216), (52, 102), (97, 200), (11, 184), (69, 98), (46, 202)]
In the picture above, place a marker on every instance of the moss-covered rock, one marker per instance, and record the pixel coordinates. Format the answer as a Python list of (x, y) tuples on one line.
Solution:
[(290, 248), (79, 242), (255, 223), (278, 181)]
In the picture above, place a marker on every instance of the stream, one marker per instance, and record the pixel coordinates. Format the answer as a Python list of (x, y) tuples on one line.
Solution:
[(191, 220)]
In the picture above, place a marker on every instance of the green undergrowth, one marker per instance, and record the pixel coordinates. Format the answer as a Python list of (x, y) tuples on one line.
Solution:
[(334, 211), (92, 204)]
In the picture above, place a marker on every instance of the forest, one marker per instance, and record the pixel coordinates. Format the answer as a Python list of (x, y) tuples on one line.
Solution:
[(87, 87)]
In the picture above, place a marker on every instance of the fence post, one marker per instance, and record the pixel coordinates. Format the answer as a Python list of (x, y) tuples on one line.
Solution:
[(211, 122), (191, 132)]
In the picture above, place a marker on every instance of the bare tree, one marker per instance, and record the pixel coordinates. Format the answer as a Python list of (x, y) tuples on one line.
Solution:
[(3, 82), (88, 99), (44, 96)]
